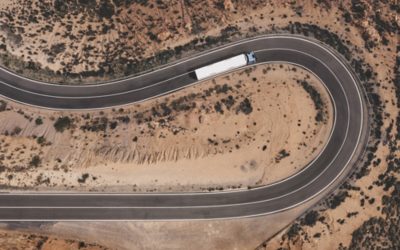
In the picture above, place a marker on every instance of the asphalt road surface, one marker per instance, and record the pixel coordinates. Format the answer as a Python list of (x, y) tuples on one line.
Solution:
[(347, 139)]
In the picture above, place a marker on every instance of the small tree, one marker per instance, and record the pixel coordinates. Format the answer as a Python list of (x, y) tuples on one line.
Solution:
[(62, 123), (39, 121), (41, 140)]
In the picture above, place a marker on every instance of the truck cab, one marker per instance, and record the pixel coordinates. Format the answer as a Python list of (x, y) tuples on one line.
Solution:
[(251, 57)]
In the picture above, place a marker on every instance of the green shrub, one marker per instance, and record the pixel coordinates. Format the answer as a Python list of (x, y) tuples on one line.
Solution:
[(62, 123), (39, 121), (41, 140), (35, 162)]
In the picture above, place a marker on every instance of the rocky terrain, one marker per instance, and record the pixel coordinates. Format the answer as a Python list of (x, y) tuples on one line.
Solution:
[(91, 40), (363, 213)]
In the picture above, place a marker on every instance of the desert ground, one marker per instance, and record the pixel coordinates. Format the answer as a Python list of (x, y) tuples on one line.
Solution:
[(269, 126), (15, 240), (361, 214)]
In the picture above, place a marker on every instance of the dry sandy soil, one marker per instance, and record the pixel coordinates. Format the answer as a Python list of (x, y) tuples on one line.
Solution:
[(14, 240), (98, 39), (248, 128), (364, 213)]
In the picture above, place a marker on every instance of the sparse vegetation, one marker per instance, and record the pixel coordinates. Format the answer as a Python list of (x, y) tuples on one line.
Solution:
[(316, 97), (42, 241), (380, 230), (125, 53), (130, 134), (362, 31)]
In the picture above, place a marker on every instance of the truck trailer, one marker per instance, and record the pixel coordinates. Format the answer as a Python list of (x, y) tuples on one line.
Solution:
[(225, 65)]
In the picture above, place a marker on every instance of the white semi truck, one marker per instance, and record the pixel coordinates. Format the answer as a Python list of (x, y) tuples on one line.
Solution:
[(225, 65)]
